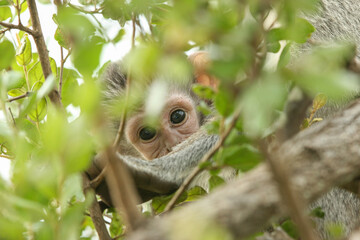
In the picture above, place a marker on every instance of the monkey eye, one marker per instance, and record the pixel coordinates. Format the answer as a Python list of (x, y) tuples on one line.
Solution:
[(147, 133), (177, 116)]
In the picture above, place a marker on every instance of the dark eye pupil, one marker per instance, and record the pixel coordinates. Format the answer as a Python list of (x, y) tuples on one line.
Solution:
[(147, 133), (177, 116)]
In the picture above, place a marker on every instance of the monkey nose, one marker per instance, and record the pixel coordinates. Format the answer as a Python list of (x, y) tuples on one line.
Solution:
[(170, 142)]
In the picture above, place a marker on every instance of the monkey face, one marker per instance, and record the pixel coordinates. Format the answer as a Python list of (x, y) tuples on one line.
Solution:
[(178, 121)]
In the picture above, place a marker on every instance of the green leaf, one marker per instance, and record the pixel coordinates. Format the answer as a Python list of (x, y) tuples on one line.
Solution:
[(215, 181), (24, 6), (36, 76), (273, 47), (298, 32), (86, 56), (317, 212), (243, 157), (44, 231), (119, 36), (319, 101), (146, 58), (195, 193), (290, 228), (224, 103), (11, 229), (70, 85), (5, 13), (116, 225), (5, 129), (261, 103), (60, 37), (81, 32), (71, 220), (18, 207), (46, 87), (39, 112), (7, 53), (203, 92), (204, 108), (336, 231), (322, 71), (45, 1), (284, 56), (4, 3), (12, 80), (29, 129), (159, 203), (23, 52)]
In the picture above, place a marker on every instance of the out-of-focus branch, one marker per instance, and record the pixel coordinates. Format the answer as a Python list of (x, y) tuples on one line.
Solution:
[(293, 200), (122, 190), (295, 112)]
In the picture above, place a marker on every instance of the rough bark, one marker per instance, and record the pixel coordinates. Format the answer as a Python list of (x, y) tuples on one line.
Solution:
[(317, 159)]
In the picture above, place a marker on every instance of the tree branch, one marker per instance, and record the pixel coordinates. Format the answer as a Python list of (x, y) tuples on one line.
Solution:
[(293, 200), (95, 213), (249, 203), (122, 190), (41, 48), (19, 97), (20, 27)]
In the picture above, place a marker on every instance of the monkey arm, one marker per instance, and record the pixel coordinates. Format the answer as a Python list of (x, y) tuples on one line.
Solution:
[(161, 175), (165, 174)]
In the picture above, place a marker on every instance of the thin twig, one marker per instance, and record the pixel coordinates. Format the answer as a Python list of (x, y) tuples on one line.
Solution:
[(20, 27), (106, 222), (61, 70), (58, 3), (205, 158), (127, 93), (63, 60), (4, 31), (294, 201), (101, 28), (42, 50), (95, 212), (94, 183), (97, 10), (12, 117), (133, 20), (18, 11), (19, 97), (6, 156)]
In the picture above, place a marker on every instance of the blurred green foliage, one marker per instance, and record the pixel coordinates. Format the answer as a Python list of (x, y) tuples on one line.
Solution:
[(43, 198)]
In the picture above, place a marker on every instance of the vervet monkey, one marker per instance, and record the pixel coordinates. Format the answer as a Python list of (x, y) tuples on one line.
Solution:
[(177, 135), (336, 20)]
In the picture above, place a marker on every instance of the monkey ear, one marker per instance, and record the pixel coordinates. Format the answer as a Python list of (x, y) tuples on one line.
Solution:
[(201, 62)]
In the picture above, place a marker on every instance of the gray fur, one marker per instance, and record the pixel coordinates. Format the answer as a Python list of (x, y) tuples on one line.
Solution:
[(341, 208), (336, 20)]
